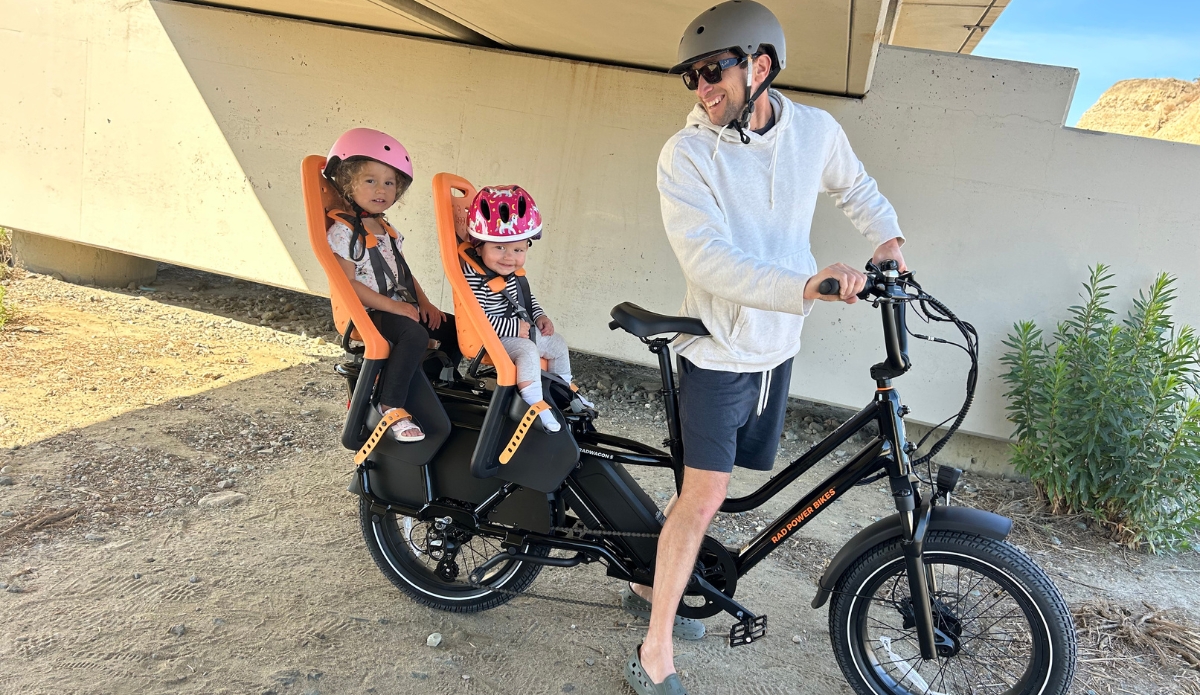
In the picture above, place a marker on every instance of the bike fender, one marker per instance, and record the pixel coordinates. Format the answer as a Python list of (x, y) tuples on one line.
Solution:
[(964, 519)]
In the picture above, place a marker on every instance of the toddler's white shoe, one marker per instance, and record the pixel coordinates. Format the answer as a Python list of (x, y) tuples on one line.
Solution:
[(549, 421), (405, 431)]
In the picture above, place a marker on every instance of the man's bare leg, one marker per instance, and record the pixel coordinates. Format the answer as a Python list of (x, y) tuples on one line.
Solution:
[(698, 502), (642, 590)]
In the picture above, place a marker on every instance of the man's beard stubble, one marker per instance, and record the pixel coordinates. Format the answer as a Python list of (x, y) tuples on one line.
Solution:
[(729, 109)]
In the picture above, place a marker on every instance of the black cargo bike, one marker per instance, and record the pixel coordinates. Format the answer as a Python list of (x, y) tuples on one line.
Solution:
[(930, 600)]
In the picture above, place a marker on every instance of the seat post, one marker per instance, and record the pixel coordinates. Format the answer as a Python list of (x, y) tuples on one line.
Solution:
[(674, 442)]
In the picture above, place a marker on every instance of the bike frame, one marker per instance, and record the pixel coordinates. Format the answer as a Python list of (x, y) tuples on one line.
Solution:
[(887, 451)]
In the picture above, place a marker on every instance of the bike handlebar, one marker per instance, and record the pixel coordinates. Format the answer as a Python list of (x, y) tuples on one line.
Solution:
[(892, 291), (884, 283), (832, 288), (829, 287)]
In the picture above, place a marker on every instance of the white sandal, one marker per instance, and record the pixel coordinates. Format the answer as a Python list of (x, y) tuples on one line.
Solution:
[(405, 431)]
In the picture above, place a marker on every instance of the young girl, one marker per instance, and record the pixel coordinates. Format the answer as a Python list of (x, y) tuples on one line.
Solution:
[(372, 170), (503, 222)]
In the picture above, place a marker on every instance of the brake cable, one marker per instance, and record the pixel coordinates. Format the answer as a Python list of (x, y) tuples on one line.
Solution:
[(931, 310)]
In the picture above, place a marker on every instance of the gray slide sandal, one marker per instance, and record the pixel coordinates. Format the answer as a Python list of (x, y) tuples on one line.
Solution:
[(641, 683), (685, 628)]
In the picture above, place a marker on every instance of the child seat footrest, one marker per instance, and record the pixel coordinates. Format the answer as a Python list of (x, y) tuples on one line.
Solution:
[(390, 418), (522, 429)]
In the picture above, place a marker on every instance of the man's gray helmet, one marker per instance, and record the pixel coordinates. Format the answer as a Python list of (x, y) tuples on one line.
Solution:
[(743, 25), (736, 25)]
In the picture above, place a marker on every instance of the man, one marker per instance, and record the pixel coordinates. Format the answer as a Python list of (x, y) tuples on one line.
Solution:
[(738, 187)]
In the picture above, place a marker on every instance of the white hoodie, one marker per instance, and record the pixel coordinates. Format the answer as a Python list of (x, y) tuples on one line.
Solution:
[(738, 217)]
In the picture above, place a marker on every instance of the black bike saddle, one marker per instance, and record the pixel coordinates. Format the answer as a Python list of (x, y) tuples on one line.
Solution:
[(644, 323)]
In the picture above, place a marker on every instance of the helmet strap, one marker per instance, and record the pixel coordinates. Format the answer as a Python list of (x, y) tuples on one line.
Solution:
[(742, 122), (360, 212), (360, 229)]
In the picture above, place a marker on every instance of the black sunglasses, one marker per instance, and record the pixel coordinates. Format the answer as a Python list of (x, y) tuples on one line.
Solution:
[(710, 72)]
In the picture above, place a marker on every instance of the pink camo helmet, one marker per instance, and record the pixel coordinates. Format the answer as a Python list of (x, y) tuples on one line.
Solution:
[(504, 213), (371, 144)]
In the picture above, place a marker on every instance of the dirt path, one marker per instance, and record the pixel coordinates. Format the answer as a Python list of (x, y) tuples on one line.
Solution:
[(116, 581)]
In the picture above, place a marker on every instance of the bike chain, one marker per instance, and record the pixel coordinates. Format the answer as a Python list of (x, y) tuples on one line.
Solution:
[(576, 530), (572, 530)]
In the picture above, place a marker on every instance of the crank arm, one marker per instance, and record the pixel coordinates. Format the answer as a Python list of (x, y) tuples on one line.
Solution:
[(708, 591), (748, 628)]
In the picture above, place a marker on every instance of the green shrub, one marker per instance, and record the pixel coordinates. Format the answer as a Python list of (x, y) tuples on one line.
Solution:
[(1108, 415), (6, 253)]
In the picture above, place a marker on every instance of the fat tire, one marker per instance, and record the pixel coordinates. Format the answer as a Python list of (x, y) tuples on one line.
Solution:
[(1053, 672), (416, 582)]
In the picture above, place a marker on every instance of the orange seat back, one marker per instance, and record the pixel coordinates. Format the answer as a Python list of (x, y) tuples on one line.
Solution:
[(319, 198), (453, 194)]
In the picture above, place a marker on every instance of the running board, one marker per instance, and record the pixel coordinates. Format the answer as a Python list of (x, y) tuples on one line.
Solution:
[(514, 554)]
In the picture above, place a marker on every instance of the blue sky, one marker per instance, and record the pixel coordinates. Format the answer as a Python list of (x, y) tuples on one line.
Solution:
[(1107, 40)]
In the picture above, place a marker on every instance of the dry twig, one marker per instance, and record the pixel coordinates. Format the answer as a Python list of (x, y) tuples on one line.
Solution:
[(43, 519), (1149, 631)]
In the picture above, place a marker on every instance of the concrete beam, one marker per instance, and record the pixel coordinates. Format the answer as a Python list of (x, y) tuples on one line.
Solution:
[(85, 265)]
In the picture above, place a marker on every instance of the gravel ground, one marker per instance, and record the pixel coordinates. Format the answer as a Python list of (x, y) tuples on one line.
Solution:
[(173, 519)]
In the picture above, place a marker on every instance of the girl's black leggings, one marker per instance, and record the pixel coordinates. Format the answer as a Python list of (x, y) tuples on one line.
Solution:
[(409, 340)]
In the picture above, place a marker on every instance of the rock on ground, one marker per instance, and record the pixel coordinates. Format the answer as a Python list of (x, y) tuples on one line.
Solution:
[(220, 500)]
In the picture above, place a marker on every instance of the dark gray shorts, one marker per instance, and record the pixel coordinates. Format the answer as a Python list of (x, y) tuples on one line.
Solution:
[(731, 418)]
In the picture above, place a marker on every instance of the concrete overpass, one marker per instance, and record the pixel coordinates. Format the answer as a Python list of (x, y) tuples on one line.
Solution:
[(173, 131), (831, 43)]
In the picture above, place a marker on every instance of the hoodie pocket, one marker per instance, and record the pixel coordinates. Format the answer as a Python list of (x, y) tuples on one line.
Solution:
[(741, 317)]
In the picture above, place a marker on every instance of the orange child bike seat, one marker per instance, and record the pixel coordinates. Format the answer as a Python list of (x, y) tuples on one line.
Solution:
[(453, 194), (320, 199)]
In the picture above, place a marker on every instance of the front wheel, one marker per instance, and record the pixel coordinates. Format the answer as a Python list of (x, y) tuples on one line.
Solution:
[(1003, 626), (431, 565)]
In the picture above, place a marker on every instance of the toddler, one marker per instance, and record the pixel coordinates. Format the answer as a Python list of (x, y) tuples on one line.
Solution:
[(503, 222), (372, 170)]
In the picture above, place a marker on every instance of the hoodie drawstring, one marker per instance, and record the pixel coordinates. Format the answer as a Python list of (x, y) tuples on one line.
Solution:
[(718, 147), (764, 391), (774, 155)]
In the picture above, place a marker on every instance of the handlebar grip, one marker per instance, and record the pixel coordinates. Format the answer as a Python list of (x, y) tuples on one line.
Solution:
[(613, 325), (829, 286)]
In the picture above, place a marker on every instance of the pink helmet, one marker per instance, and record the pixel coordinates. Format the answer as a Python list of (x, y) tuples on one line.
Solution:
[(371, 144), (504, 213)]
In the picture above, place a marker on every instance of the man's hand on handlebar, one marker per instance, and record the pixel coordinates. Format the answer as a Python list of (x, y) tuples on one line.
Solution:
[(849, 281), (890, 251)]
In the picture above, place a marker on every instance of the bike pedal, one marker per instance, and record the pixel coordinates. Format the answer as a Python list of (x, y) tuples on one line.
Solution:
[(747, 631)]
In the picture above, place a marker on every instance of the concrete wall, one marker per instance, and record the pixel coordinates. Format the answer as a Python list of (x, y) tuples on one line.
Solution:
[(175, 132)]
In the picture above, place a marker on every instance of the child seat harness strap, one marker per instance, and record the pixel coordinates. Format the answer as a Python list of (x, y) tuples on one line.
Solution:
[(404, 288), (521, 305)]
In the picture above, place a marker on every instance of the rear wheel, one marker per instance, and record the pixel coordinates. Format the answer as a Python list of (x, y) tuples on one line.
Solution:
[(1003, 626), (431, 564)]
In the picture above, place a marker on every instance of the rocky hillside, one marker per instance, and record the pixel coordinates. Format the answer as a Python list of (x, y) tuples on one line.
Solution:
[(1167, 109)]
